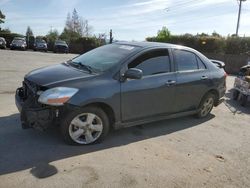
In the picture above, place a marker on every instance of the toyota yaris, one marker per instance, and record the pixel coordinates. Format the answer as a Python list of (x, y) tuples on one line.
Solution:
[(119, 85)]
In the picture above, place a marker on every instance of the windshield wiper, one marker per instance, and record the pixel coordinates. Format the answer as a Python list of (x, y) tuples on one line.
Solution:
[(81, 65)]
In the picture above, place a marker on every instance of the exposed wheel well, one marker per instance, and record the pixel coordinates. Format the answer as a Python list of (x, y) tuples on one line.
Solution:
[(107, 109)]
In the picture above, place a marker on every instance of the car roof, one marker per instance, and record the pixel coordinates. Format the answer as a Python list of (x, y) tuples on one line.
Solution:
[(153, 44)]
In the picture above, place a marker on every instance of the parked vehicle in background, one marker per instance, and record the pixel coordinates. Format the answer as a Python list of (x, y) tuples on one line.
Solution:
[(40, 45), (18, 43), (242, 85), (120, 85), (2, 43), (61, 46)]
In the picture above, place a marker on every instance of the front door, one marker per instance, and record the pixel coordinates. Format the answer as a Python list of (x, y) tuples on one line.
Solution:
[(152, 95)]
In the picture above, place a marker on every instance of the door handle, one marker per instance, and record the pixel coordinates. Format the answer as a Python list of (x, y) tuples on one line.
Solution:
[(170, 82), (204, 78)]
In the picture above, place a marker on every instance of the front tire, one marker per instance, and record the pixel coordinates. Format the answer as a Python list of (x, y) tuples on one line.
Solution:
[(88, 125), (206, 105)]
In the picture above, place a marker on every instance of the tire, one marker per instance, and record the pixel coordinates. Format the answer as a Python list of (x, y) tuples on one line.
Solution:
[(206, 105), (93, 129), (235, 94), (243, 100)]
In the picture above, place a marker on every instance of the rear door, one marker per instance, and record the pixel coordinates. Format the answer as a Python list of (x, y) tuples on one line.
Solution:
[(192, 80), (152, 95)]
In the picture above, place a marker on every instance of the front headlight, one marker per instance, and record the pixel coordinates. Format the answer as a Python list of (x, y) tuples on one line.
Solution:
[(57, 96)]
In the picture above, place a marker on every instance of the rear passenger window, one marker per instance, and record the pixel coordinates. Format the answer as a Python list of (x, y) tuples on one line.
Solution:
[(153, 62), (185, 60)]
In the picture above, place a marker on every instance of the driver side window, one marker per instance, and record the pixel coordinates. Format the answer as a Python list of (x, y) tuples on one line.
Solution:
[(152, 62)]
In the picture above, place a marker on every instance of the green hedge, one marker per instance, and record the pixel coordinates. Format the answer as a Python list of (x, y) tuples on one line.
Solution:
[(83, 45), (209, 44)]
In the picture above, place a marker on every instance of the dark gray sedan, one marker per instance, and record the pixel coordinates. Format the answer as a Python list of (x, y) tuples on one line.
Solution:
[(119, 85)]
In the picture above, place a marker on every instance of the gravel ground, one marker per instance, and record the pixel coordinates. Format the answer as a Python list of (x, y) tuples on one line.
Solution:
[(183, 152)]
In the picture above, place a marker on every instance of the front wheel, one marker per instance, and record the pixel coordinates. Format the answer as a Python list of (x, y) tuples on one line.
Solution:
[(206, 106), (86, 126)]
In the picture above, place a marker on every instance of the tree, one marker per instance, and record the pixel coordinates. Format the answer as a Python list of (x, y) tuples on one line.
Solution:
[(163, 34), (215, 34), (6, 30), (52, 35), (29, 32), (2, 17), (75, 27)]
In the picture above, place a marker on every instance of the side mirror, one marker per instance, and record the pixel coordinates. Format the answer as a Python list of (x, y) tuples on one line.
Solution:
[(133, 73)]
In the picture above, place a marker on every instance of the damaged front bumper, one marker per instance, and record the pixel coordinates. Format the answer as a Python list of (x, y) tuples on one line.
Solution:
[(33, 114)]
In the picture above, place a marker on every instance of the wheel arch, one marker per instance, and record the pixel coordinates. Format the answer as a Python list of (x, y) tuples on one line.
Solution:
[(106, 108), (215, 93)]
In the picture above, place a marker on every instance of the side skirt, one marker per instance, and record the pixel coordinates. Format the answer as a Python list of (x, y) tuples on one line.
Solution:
[(119, 125)]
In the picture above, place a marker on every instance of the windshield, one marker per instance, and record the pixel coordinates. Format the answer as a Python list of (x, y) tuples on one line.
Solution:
[(18, 40), (60, 42), (105, 57), (40, 41)]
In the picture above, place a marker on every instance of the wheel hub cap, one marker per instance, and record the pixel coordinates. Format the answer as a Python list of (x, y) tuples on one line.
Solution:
[(85, 128)]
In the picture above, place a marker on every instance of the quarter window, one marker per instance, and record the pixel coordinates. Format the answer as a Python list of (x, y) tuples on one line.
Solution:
[(153, 62), (200, 63)]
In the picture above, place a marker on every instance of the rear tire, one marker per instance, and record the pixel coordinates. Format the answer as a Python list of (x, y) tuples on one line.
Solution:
[(235, 94), (206, 105), (91, 123)]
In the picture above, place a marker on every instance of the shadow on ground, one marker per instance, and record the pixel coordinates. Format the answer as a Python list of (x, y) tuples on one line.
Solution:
[(234, 106), (24, 149)]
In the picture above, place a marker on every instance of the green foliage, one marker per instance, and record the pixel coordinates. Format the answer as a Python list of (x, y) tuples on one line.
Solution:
[(29, 31), (5, 31), (30, 39), (203, 42), (51, 37), (163, 34), (2, 17), (84, 44), (76, 26), (237, 45), (69, 35)]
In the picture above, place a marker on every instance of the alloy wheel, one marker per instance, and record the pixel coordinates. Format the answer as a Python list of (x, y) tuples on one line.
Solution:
[(85, 128), (207, 106)]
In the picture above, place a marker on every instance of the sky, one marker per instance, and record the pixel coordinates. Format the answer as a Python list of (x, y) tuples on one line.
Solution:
[(129, 19)]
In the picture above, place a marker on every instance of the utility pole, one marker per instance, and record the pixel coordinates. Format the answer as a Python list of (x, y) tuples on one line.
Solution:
[(110, 36), (239, 13)]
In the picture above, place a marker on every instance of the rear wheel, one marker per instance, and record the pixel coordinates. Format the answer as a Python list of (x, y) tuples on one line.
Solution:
[(235, 94), (86, 126), (206, 105)]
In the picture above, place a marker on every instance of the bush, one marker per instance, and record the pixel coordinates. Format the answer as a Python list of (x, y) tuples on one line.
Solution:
[(83, 44), (208, 44), (30, 42)]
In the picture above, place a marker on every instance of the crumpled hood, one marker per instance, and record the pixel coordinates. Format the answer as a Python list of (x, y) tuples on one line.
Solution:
[(55, 74)]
